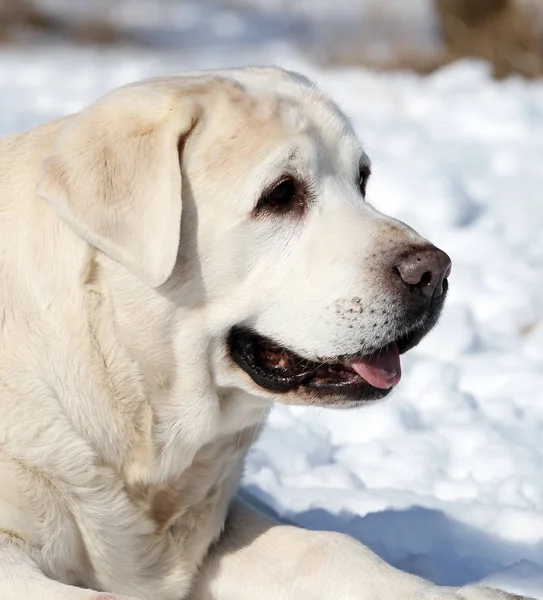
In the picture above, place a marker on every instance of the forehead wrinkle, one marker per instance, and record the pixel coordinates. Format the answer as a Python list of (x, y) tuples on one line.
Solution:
[(338, 148), (284, 157), (293, 116), (270, 116), (337, 156), (244, 141)]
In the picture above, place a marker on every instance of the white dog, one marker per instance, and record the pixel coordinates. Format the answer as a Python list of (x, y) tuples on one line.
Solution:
[(173, 260)]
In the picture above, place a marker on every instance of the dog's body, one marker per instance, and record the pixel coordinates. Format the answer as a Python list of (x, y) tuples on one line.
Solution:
[(131, 381)]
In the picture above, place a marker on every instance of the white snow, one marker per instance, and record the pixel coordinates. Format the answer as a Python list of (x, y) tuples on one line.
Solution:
[(445, 478)]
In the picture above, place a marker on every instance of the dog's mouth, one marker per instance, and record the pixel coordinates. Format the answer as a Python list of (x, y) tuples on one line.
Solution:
[(368, 376)]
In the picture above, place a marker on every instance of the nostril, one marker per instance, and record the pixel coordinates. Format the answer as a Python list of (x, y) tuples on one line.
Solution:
[(414, 271), (426, 279), (424, 269)]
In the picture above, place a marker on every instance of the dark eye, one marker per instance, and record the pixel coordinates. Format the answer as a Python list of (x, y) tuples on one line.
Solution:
[(365, 173), (283, 197)]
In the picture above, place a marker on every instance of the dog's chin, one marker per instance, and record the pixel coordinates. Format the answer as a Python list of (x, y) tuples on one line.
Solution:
[(340, 381)]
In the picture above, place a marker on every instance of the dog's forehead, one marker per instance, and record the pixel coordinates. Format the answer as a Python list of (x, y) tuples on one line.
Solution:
[(271, 95), (291, 106), (301, 101)]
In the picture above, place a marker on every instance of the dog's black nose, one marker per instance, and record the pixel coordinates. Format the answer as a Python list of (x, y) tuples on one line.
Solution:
[(424, 268)]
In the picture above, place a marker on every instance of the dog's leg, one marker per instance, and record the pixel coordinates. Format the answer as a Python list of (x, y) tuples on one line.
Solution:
[(258, 559), (21, 578)]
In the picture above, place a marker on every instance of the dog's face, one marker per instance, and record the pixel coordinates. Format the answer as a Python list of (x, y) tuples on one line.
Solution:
[(306, 293)]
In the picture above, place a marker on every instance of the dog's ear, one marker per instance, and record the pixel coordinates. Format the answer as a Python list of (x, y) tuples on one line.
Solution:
[(114, 175)]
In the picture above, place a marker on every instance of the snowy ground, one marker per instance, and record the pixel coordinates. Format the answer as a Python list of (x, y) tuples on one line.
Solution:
[(445, 478)]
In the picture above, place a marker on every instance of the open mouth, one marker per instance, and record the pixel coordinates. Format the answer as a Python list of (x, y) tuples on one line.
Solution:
[(276, 368)]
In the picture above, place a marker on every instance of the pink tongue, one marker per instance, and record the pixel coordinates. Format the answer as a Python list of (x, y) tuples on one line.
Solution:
[(381, 369)]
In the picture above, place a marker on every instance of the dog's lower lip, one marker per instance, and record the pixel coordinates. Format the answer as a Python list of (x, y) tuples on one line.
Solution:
[(280, 370)]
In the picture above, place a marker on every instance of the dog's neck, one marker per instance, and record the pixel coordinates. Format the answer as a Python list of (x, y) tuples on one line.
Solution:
[(162, 354)]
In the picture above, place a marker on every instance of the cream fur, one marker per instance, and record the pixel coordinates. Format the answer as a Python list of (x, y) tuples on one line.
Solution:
[(126, 254)]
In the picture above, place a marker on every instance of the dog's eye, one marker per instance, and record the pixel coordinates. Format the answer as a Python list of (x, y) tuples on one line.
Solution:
[(365, 173), (283, 197)]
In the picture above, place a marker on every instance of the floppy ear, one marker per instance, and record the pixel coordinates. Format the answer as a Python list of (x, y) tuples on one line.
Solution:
[(114, 175)]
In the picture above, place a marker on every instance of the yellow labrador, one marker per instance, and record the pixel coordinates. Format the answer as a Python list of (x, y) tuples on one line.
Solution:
[(173, 260)]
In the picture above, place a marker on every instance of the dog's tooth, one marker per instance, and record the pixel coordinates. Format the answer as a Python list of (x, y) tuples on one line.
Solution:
[(284, 361)]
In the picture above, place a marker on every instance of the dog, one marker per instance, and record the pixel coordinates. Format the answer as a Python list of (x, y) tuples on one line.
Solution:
[(174, 259)]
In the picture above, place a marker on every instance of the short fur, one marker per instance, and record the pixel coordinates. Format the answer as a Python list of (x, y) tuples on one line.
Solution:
[(127, 252)]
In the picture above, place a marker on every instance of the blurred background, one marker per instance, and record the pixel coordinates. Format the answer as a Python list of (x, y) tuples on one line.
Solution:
[(445, 478), (421, 35)]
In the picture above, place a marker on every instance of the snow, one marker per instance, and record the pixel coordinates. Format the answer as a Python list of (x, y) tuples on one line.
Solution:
[(444, 478)]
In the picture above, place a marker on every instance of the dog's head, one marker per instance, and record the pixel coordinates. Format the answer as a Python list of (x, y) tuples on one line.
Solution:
[(241, 197)]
